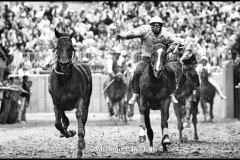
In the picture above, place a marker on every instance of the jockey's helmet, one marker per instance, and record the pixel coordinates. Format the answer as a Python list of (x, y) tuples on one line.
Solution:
[(156, 19), (204, 58), (115, 50), (124, 53)]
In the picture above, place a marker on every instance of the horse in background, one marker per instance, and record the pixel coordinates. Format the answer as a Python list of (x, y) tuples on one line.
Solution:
[(70, 86), (128, 75), (155, 85), (208, 93), (186, 106), (115, 90)]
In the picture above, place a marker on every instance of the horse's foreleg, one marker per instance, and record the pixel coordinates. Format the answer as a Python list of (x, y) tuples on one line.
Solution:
[(81, 123), (204, 108), (65, 122), (178, 113), (58, 123), (211, 111), (186, 123), (149, 129), (164, 123), (194, 111), (142, 109)]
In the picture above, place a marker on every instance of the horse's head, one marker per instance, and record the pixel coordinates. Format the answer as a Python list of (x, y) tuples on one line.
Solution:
[(158, 59), (65, 51), (204, 76), (119, 74)]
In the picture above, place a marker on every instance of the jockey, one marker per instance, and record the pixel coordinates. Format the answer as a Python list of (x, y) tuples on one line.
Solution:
[(189, 63), (149, 35), (205, 65), (112, 65), (112, 62)]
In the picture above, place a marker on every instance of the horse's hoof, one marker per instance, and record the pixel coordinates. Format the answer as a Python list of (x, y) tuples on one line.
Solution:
[(79, 154), (61, 135), (196, 138), (186, 125), (72, 133), (142, 139), (184, 139), (81, 144), (166, 140), (150, 149), (165, 148)]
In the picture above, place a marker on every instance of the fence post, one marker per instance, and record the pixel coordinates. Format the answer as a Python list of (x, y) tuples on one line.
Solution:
[(228, 90)]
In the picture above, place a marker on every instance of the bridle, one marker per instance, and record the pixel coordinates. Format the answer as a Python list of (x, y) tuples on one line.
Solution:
[(61, 62)]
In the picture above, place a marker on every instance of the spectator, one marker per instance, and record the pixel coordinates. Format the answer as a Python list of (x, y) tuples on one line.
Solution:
[(26, 85)]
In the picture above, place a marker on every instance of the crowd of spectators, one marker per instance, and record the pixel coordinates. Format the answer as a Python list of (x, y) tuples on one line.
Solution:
[(29, 32)]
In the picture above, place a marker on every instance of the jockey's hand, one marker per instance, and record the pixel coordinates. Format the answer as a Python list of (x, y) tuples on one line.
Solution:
[(119, 37)]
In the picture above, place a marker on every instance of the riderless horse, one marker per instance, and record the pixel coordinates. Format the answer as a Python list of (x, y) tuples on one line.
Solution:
[(208, 93), (70, 86), (155, 89)]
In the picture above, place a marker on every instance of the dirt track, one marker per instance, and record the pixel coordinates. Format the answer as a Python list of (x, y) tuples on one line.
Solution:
[(107, 138)]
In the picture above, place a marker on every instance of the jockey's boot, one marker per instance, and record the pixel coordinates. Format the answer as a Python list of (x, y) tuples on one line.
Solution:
[(107, 99), (195, 95), (173, 98), (222, 96), (133, 99)]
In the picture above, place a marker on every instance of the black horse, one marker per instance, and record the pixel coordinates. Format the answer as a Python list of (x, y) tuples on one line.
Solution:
[(70, 86), (155, 89), (185, 106), (115, 89), (208, 93)]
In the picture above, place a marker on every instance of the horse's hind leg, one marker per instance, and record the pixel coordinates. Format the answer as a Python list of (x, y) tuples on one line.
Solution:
[(211, 111), (149, 129), (58, 123), (81, 114), (179, 115)]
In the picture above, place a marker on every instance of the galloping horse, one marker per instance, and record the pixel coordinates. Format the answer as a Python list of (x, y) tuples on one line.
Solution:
[(184, 93), (155, 89), (208, 93), (116, 90), (70, 86)]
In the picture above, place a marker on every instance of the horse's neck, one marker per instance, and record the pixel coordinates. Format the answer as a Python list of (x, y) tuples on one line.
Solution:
[(204, 80)]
